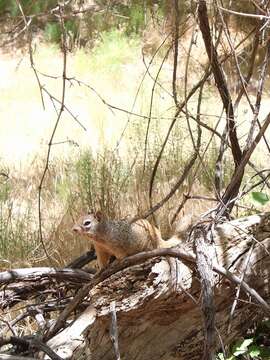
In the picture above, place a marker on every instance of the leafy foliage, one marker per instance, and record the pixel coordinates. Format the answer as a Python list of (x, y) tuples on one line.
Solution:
[(53, 30), (260, 197), (256, 347), (30, 7)]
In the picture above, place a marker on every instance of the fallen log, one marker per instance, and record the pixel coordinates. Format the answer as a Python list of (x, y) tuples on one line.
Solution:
[(157, 302)]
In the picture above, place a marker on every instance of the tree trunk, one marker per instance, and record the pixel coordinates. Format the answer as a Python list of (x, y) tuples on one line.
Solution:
[(158, 302)]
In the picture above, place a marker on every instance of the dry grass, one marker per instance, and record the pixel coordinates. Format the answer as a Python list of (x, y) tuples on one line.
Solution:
[(87, 170)]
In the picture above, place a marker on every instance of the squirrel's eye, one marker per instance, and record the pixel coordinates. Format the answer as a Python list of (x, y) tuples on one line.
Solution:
[(87, 223)]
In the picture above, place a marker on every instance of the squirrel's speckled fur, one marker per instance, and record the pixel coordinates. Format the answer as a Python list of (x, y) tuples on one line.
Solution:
[(119, 238)]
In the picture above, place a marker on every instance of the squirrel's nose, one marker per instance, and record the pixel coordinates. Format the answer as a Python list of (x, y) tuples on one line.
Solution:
[(76, 229)]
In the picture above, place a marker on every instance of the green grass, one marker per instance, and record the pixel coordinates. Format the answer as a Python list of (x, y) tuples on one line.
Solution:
[(113, 50)]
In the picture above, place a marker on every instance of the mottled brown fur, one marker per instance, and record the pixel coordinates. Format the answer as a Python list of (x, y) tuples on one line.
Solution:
[(119, 238)]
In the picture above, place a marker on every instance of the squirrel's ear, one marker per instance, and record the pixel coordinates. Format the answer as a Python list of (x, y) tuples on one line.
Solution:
[(99, 215)]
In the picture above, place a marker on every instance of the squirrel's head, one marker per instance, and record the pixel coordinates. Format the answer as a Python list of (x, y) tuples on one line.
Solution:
[(87, 224)]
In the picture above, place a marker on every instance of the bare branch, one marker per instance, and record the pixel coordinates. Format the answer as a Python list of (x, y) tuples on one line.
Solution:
[(46, 168), (175, 46), (263, 72), (230, 193), (260, 17), (30, 343), (220, 80), (30, 51), (151, 106)]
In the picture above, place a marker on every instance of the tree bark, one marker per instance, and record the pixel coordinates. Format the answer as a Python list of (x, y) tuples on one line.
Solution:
[(158, 302)]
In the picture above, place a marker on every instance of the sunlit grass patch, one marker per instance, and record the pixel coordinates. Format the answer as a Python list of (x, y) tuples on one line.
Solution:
[(113, 51)]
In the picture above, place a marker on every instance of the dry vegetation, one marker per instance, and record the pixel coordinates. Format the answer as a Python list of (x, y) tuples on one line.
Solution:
[(121, 96), (98, 160)]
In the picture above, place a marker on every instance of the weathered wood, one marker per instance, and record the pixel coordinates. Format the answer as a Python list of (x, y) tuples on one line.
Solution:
[(28, 344), (21, 284), (71, 338), (44, 272), (205, 252), (14, 357), (158, 301)]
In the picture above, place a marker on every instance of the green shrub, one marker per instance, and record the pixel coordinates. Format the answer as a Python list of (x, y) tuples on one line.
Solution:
[(3, 6), (113, 50), (101, 180), (53, 32), (136, 21), (30, 7)]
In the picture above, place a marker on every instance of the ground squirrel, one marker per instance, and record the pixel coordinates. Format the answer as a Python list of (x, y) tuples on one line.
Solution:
[(119, 238)]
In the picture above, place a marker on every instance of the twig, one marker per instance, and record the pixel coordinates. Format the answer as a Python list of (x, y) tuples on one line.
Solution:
[(175, 46), (198, 143), (46, 168), (188, 165), (228, 198), (65, 107), (147, 71), (151, 107), (239, 287), (30, 50), (9, 325), (262, 181), (242, 80), (220, 80), (263, 177), (260, 17), (256, 43), (176, 115), (263, 72), (29, 343)]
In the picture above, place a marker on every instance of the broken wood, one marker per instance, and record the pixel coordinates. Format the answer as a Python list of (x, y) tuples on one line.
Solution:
[(158, 301), (157, 297), (21, 284)]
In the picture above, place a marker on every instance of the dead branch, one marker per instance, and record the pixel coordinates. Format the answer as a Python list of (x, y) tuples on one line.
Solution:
[(46, 167), (14, 357), (175, 45), (230, 246), (204, 249), (22, 284), (36, 274), (29, 343), (220, 80), (228, 198), (161, 296), (138, 259)]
